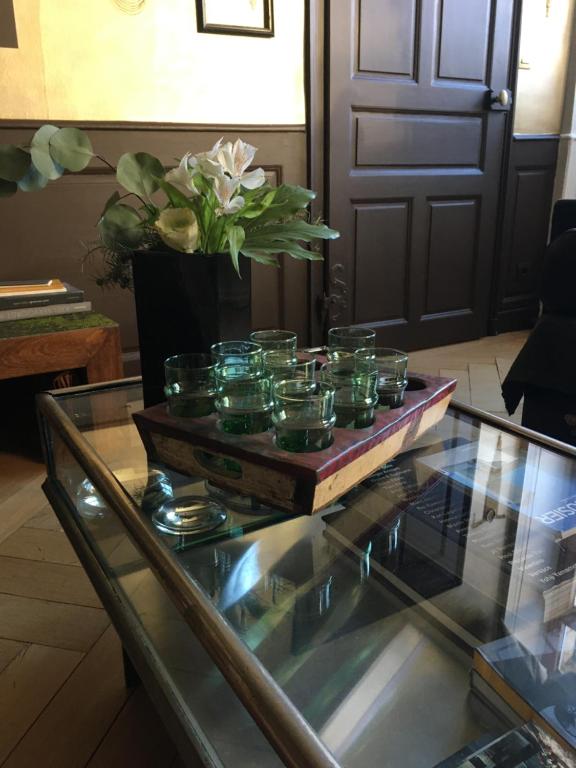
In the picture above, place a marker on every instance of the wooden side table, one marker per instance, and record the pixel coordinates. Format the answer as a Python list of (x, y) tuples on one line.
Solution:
[(61, 342)]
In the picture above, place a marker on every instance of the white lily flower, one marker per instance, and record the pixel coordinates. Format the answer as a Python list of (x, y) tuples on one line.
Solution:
[(181, 177), (225, 189), (178, 228), (207, 163), (235, 158)]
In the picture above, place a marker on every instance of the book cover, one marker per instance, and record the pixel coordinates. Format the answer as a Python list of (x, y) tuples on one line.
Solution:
[(31, 287), (534, 671), (70, 295), (507, 478), (525, 747), (25, 313)]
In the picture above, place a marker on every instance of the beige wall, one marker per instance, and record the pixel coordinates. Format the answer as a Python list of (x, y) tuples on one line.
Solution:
[(87, 60), (544, 44)]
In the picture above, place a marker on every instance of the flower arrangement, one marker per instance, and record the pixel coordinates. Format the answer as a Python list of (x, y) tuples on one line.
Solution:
[(212, 203)]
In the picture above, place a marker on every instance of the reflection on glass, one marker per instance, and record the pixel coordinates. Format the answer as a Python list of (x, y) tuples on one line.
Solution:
[(90, 503)]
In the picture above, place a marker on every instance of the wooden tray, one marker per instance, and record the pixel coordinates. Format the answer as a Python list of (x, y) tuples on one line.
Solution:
[(303, 483)]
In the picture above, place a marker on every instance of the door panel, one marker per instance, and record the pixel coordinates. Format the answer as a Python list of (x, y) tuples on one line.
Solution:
[(407, 140), (381, 269), (464, 36), (450, 281), (414, 161), (387, 40)]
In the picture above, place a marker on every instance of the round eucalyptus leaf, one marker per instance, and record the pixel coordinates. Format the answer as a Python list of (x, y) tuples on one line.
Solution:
[(139, 173), (32, 181), (40, 152), (8, 188), (14, 162), (71, 148), (120, 225)]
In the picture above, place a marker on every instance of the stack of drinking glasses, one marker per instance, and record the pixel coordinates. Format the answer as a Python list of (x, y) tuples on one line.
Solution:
[(266, 382)]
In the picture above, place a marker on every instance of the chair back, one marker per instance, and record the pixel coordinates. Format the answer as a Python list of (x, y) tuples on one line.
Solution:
[(558, 285), (563, 218)]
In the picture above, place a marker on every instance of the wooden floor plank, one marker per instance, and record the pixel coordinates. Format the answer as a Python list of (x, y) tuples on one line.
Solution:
[(503, 364), (137, 738), (46, 581), (9, 649), (485, 387), (45, 520), (462, 391), (39, 544), (73, 627), (26, 686), (20, 506), (74, 723), (15, 471)]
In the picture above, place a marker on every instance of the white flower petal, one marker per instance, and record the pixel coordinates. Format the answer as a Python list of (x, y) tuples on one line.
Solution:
[(224, 189), (254, 179), (235, 205), (243, 154), (181, 177), (226, 158)]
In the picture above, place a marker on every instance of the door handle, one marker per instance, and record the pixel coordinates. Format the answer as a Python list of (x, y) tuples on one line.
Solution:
[(500, 101)]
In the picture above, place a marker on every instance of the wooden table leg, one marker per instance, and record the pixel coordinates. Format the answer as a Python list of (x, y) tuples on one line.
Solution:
[(106, 362)]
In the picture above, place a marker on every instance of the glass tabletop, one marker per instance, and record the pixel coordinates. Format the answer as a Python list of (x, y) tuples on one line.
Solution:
[(381, 617)]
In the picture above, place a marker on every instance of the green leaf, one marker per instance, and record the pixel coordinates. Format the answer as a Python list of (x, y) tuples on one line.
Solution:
[(40, 151), (175, 197), (120, 226), (32, 181), (14, 162), (261, 257), (236, 237), (8, 188), (256, 209), (112, 200), (288, 201), (290, 230), (71, 148), (139, 173)]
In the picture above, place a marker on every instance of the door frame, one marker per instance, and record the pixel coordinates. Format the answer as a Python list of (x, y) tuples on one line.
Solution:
[(317, 85)]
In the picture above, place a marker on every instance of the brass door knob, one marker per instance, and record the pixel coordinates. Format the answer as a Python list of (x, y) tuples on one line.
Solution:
[(502, 98)]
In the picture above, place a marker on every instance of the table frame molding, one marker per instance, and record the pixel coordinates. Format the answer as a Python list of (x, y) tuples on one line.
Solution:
[(291, 736)]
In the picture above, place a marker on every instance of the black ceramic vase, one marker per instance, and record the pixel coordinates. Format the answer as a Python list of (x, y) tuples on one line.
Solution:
[(185, 303)]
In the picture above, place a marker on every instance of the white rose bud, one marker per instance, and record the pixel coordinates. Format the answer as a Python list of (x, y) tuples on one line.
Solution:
[(178, 228)]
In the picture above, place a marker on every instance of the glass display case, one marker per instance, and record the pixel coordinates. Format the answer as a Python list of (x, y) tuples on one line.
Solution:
[(413, 623)]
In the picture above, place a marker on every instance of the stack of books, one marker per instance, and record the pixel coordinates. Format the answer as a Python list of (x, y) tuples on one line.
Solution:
[(20, 300)]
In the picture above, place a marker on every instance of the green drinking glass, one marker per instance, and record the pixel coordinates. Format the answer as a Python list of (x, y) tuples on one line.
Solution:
[(392, 366), (288, 365), (355, 385), (244, 355), (190, 385), (275, 339), (243, 400), (303, 415), (350, 338)]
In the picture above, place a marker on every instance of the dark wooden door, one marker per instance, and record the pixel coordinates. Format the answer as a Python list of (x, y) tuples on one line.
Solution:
[(415, 148)]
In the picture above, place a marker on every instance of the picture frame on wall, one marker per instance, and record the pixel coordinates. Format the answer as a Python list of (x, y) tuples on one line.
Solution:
[(8, 35), (252, 18)]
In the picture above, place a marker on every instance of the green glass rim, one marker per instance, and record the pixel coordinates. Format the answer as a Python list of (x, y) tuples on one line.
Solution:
[(300, 394), (380, 352), (274, 334), (351, 332), (190, 361), (236, 349)]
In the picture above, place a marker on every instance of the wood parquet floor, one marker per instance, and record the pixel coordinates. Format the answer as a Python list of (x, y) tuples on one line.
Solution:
[(63, 702)]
